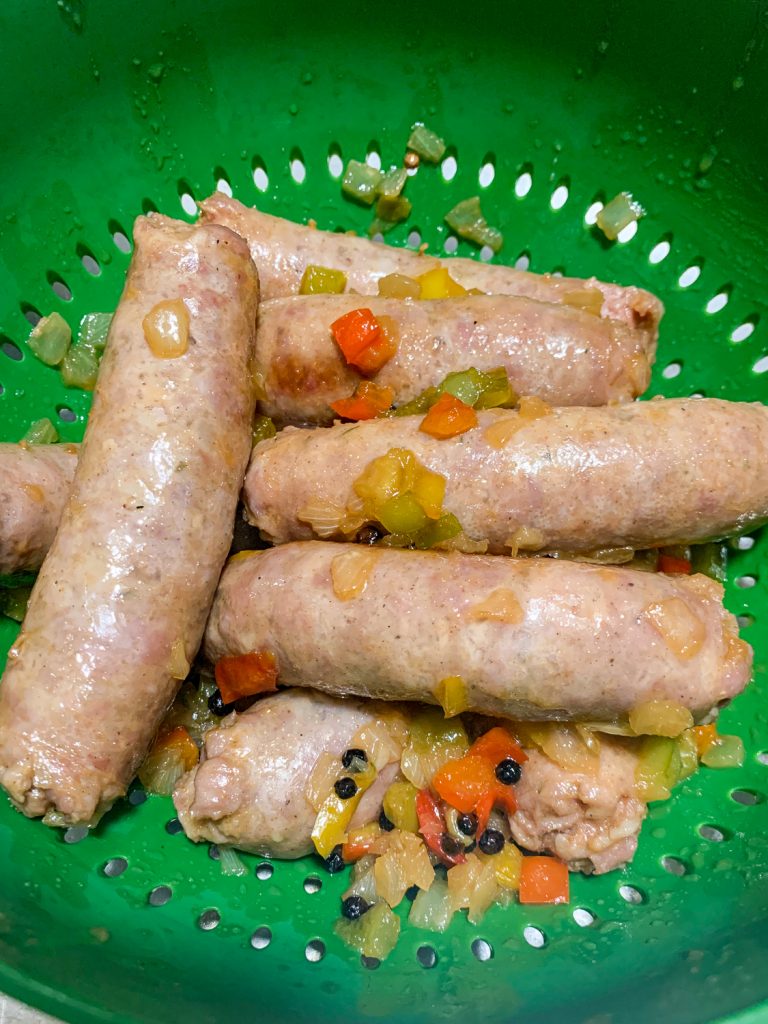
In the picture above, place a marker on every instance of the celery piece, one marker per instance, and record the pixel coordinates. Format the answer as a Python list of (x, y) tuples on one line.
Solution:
[(322, 281), (393, 210), (617, 214), (419, 405), (429, 146), (437, 531), (360, 182), (50, 339), (263, 428), (13, 603), (93, 330), (402, 514), (80, 368), (710, 559), (467, 220), (41, 432), (393, 182)]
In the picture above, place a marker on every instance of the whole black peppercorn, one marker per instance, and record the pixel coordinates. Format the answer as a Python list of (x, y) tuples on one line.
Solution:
[(508, 771), (345, 788), (491, 841), (354, 759), (217, 705), (467, 824), (384, 823), (449, 845), (354, 907), (334, 862), (368, 534)]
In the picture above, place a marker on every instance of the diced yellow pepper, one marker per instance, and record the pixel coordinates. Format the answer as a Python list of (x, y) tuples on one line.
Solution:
[(385, 477), (322, 280), (452, 695), (429, 491), (335, 814), (508, 864), (400, 806), (438, 284)]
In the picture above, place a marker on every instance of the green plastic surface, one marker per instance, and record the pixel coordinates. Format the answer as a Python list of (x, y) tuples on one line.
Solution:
[(114, 107)]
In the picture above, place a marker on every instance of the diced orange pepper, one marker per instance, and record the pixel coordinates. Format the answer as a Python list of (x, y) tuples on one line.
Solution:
[(181, 743), (497, 744), (245, 675), (672, 564), (362, 842), (705, 736), (367, 402), (432, 827), (448, 417), (355, 331), (379, 352), (543, 880)]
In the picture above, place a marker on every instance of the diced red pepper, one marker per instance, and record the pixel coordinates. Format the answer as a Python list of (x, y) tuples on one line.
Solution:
[(245, 675), (432, 827), (543, 880), (363, 341), (497, 744), (367, 402), (448, 417), (672, 564)]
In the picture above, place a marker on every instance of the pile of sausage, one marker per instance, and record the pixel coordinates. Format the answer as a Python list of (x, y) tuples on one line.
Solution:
[(131, 533)]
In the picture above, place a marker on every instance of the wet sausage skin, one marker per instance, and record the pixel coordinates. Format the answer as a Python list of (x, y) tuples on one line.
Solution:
[(35, 482), (529, 638), (282, 251), (643, 475), (563, 355), (118, 609), (248, 794)]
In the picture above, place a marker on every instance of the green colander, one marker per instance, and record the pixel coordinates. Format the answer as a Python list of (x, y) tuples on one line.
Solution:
[(114, 108)]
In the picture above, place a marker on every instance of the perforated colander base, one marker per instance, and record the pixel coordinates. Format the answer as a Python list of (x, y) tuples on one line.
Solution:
[(547, 113)]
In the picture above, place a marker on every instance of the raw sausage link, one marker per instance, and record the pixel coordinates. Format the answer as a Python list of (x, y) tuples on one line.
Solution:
[(35, 481), (282, 250), (642, 475), (120, 603), (561, 354), (247, 794), (531, 638)]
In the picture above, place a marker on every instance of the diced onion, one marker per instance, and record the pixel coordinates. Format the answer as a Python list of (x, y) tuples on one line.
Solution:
[(588, 299), (374, 934), (725, 752), (405, 863), (166, 329), (398, 286), (434, 908), (660, 718), (324, 774), (679, 627), (501, 605), (351, 571)]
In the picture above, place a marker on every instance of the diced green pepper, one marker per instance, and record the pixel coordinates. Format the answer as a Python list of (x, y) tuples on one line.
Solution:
[(426, 143), (402, 514), (419, 405), (322, 281), (437, 530), (393, 210), (710, 559), (92, 334), (80, 368), (498, 392), (263, 428), (41, 432), (467, 220), (393, 182), (50, 339), (361, 182), (466, 385)]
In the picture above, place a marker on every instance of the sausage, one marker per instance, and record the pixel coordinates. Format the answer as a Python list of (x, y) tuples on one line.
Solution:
[(643, 475), (118, 609), (35, 481), (282, 250), (530, 638), (247, 793), (564, 355)]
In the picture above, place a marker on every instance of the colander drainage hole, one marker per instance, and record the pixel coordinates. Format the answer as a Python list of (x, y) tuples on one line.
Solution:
[(448, 168), (674, 866), (173, 827), (314, 951), (747, 796), (11, 349), (335, 163), (90, 263), (115, 866), (712, 833), (222, 185), (60, 288), (75, 834), (371, 963), (487, 172), (744, 621), (451, 244), (761, 366), (264, 871), (659, 252), (631, 895), (523, 261), (160, 895), (745, 582), (213, 852), (482, 950), (188, 204), (672, 370), (743, 331), (583, 917), (717, 302), (66, 414), (627, 233), (260, 176), (137, 796), (261, 938), (535, 937), (486, 253), (689, 276), (297, 167), (590, 217), (122, 241), (745, 543), (523, 184), (32, 315), (312, 884), (414, 239), (209, 919), (426, 957), (559, 197)]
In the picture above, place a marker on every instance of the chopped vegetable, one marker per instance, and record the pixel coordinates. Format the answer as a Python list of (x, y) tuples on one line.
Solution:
[(658, 768), (481, 390), (335, 814), (725, 752), (498, 744), (93, 331), (263, 428), (361, 182), (405, 863), (50, 339), (79, 368), (370, 839), (400, 493), (327, 519), (508, 865), (710, 559), (705, 736), (671, 564), (473, 885), (41, 432), (432, 740), (172, 754), (562, 743), (13, 602), (166, 329), (438, 284), (400, 806), (398, 286), (434, 908), (689, 757), (363, 344), (390, 212), (451, 694), (448, 417), (351, 570), (374, 934), (467, 220), (245, 675), (368, 402), (425, 143), (616, 215), (322, 281), (383, 739), (588, 299), (230, 862), (437, 533), (402, 513), (660, 718), (432, 828), (353, 907), (543, 880), (393, 183)]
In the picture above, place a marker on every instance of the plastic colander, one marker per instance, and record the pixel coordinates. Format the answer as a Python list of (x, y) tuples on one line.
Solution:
[(112, 108)]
